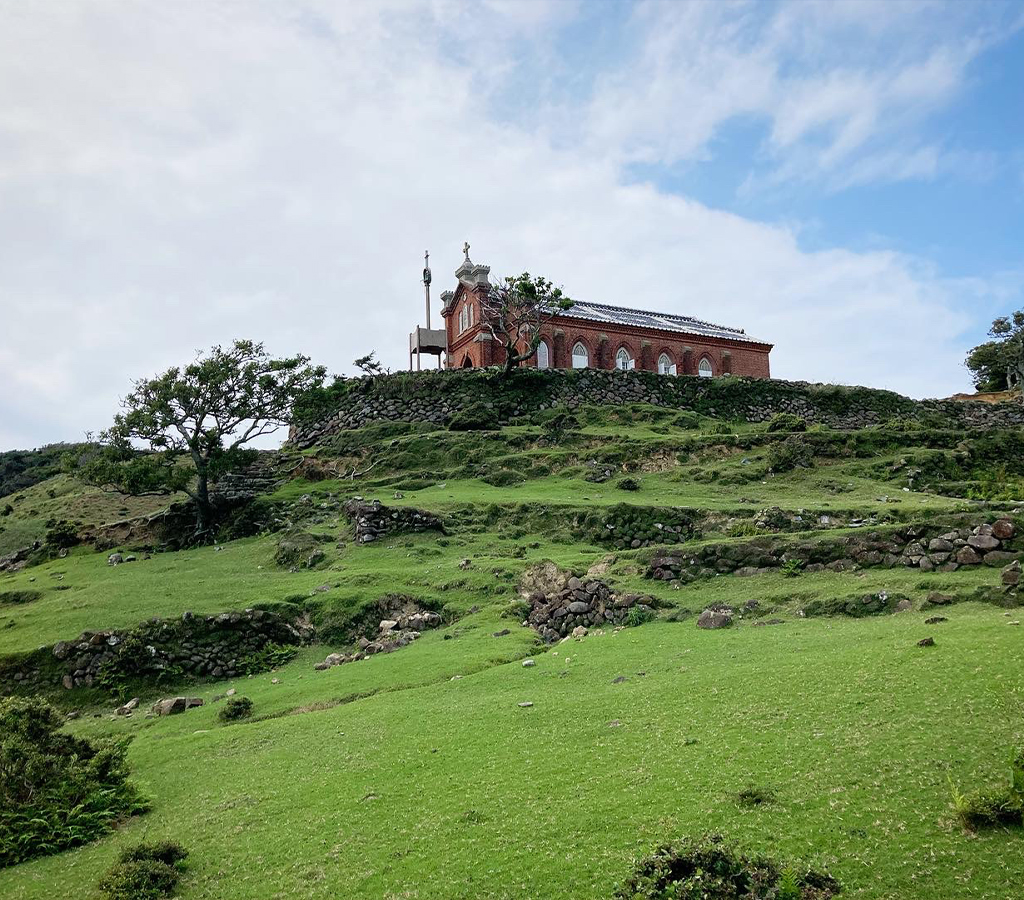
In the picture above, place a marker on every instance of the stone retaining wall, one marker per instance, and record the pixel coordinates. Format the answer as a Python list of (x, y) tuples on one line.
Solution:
[(928, 548), (436, 397), (220, 646), (374, 521)]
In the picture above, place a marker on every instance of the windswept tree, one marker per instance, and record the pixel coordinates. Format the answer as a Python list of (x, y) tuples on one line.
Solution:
[(513, 311), (998, 365), (182, 430)]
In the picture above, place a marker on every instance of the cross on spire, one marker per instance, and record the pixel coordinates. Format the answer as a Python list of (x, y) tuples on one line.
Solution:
[(465, 249)]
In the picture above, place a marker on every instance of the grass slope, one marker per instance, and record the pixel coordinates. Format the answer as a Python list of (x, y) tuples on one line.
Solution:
[(417, 774)]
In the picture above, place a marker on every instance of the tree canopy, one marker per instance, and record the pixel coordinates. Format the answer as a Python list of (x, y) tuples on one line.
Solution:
[(193, 423), (998, 365), (513, 311)]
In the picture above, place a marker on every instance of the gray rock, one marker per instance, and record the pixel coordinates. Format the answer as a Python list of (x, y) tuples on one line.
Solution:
[(115, 559), (712, 618), (1011, 574), (174, 705), (578, 606), (983, 542)]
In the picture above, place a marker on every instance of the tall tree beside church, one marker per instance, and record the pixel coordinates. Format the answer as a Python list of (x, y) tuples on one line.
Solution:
[(998, 364), (183, 429), (513, 311)]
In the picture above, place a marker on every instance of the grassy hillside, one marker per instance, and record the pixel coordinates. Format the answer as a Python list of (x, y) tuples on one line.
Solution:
[(419, 774)]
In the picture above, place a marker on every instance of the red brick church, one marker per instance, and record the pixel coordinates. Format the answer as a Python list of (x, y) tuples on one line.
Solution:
[(593, 335)]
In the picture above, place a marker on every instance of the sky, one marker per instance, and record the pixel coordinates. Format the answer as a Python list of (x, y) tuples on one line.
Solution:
[(843, 179)]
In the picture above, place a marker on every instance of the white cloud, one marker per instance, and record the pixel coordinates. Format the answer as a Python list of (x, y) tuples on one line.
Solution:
[(172, 176)]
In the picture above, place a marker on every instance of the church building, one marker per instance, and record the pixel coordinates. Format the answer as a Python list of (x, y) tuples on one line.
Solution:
[(595, 335)]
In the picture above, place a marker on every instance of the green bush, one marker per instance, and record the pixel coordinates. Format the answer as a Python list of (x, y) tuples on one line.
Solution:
[(475, 417), (236, 708), (269, 657), (628, 484), (144, 872), (639, 615), (789, 455), (56, 791), (710, 869), (786, 422), (993, 807)]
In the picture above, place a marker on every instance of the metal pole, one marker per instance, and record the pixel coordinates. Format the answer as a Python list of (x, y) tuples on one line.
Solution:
[(426, 283)]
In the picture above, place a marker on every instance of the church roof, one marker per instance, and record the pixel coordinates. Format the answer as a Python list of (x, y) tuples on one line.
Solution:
[(623, 315)]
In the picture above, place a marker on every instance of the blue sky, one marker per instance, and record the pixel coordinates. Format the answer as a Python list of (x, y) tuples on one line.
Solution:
[(845, 179)]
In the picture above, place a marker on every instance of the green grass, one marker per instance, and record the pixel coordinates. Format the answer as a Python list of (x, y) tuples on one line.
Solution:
[(449, 789), (417, 775)]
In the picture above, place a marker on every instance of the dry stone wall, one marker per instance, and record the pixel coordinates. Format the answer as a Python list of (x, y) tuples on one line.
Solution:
[(927, 548), (373, 521), (217, 646), (436, 397)]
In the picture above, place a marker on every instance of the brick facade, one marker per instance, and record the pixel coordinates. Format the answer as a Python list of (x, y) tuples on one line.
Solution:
[(470, 345)]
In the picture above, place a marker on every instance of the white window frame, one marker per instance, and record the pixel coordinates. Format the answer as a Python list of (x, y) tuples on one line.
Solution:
[(704, 368), (623, 361), (665, 365), (585, 356), (543, 355)]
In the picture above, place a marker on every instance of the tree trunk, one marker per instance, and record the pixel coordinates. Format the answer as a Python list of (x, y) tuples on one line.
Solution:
[(204, 511)]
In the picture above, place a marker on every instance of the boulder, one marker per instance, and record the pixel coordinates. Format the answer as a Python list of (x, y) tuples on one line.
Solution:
[(174, 705), (926, 642), (937, 599), (968, 556), (126, 708), (904, 606), (580, 631), (940, 545), (578, 606), (115, 559), (714, 618), (1011, 574), (1004, 529), (983, 542)]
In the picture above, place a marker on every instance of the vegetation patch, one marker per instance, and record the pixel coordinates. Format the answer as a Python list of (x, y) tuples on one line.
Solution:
[(56, 791), (710, 869), (15, 598), (992, 807), (235, 709), (145, 872)]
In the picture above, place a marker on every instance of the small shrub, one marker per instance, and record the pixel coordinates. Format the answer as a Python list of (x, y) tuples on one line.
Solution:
[(475, 417), (792, 568), (990, 808), (786, 422), (628, 484), (144, 872), (639, 615), (789, 455), (56, 791), (236, 708), (61, 535), (710, 869), (269, 657)]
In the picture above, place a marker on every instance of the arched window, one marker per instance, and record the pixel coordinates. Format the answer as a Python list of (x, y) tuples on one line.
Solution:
[(665, 365), (543, 356), (580, 357), (704, 369), (622, 360)]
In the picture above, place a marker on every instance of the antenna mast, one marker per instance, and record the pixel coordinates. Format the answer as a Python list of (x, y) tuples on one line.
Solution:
[(426, 282)]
